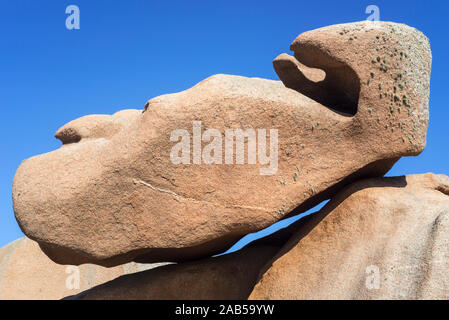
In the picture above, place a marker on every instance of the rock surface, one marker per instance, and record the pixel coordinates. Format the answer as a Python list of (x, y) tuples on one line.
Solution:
[(226, 277), (383, 238), (26, 273), (111, 193)]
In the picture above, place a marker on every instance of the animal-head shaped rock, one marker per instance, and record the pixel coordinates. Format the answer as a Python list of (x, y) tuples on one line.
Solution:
[(376, 72), (198, 169)]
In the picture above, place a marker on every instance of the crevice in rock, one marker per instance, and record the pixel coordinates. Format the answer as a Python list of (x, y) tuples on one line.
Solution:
[(271, 230), (339, 90)]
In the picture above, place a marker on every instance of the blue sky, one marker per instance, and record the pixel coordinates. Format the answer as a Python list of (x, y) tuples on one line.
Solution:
[(127, 52)]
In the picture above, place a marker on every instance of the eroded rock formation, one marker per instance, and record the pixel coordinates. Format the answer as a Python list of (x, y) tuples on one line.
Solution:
[(111, 193)]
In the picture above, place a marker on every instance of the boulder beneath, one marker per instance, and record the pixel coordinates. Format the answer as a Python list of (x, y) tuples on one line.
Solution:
[(227, 277), (382, 238), (26, 273)]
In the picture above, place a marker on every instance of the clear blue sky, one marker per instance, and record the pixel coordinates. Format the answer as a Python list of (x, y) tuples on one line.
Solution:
[(127, 52)]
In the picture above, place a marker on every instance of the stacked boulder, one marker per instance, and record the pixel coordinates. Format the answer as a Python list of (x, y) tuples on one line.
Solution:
[(113, 195)]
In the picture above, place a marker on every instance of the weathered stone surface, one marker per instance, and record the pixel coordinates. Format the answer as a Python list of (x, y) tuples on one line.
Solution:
[(226, 277), (27, 273), (397, 227), (96, 126), (111, 194)]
